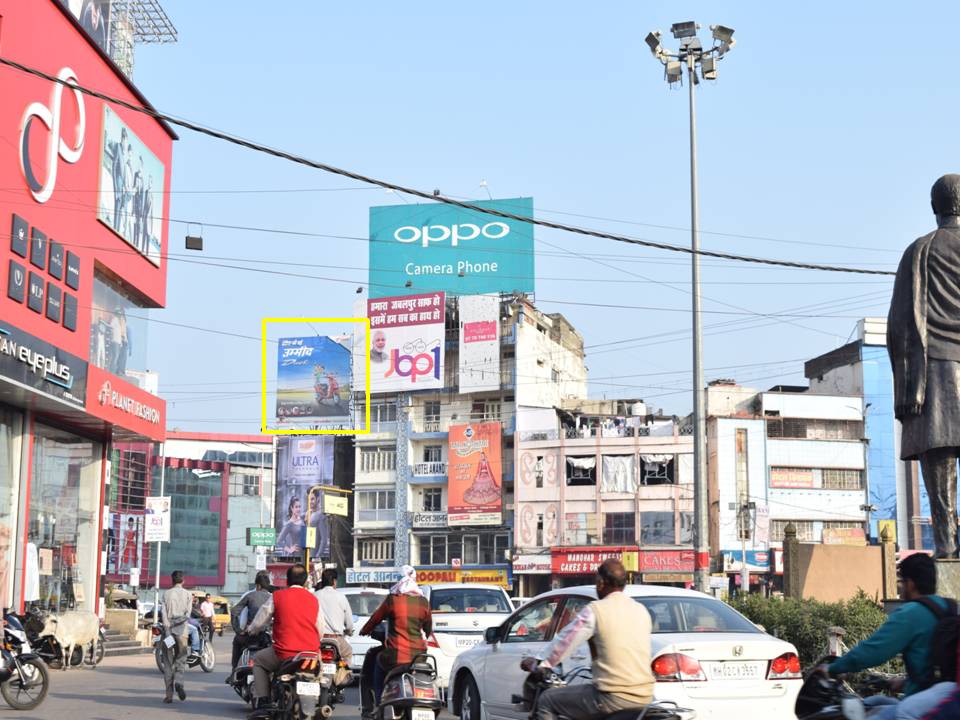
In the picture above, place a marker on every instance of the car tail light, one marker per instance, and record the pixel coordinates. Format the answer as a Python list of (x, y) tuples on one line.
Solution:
[(432, 641), (785, 667), (328, 655), (677, 667)]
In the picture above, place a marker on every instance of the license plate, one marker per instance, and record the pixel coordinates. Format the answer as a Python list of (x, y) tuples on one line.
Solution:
[(329, 669), (250, 679), (308, 689), (467, 642), (735, 671), (418, 714)]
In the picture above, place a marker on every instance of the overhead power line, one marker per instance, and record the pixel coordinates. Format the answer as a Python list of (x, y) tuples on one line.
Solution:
[(430, 196)]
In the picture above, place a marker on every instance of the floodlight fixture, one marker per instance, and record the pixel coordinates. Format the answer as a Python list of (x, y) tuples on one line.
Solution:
[(723, 34), (684, 29), (708, 68), (653, 42), (674, 71)]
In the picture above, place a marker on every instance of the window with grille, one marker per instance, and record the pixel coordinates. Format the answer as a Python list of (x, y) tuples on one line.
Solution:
[(383, 413), (804, 530), (655, 470), (244, 484), (658, 528), (433, 500), (485, 410), (836, 479), (538, 472), (378, 459), (814, 429), (619, 528), (432, 453), (433, 550), (376, 504), (582, 470), (376, 550)]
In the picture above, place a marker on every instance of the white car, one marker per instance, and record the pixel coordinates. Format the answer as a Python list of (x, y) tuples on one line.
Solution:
[(461, 616), (363, 603), (705, 656)]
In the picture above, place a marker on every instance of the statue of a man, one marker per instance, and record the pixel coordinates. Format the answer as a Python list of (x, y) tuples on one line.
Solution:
[(923, 339)]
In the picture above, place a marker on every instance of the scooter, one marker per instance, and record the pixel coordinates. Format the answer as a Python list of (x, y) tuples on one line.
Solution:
[(206, 658), (826, 698), (24, 679), (242, 679), (539, 680), (410, 692)]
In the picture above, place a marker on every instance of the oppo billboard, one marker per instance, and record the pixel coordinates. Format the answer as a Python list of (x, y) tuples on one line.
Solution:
[(443, 248)]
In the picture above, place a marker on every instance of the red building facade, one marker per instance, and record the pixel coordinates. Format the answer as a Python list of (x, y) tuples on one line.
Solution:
[(85, 190)]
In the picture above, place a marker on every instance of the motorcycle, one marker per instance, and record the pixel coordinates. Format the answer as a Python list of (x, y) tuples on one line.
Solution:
[(206, 658), (48, 648), (242, 679), (826, 698), (410, 692), (298, 688), (24, 679), (539, 680)]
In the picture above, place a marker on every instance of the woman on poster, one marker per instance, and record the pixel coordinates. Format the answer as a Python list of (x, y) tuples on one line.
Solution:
[(290, 540)]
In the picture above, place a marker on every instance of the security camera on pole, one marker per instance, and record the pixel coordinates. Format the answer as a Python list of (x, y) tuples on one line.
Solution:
[(692, 54)]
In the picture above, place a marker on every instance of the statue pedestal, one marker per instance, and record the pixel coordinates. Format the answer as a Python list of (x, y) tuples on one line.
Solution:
[(948, 578)]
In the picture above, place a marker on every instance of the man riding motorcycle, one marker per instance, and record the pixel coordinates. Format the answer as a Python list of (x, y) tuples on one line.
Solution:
[(243, 613), (409, 623), (909, 631), (337, 614), (297, 627), (617, 629)]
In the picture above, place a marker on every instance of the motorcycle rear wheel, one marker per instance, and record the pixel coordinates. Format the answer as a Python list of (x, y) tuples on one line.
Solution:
[(208, 658), (29, 693)]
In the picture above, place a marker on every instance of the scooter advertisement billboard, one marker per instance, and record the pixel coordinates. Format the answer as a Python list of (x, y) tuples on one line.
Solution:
[(313, 381), (474, 472)]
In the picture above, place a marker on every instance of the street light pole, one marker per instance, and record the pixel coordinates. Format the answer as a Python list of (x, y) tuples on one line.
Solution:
[(692, 53)]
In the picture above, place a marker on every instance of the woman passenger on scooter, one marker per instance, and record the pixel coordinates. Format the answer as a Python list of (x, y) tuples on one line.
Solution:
[(409, 623)]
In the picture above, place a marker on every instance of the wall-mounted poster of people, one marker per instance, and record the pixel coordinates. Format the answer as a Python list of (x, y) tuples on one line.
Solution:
[(131, 188), (302, 462), (126, 549)]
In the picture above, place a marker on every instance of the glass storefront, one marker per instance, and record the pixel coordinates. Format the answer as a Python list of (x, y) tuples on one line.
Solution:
[(61, 569), (11, 422)]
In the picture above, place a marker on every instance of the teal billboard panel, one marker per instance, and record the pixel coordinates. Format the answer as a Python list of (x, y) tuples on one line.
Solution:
[(436, 247)]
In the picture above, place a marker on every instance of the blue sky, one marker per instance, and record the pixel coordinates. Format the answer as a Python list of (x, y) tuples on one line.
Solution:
[(818, 142)]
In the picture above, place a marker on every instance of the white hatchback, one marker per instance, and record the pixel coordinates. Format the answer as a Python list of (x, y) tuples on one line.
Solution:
[(704, 656), (363, 603), (461, 616)]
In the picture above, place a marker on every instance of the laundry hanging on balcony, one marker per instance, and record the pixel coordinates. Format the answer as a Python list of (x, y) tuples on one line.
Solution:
[(618, 474)]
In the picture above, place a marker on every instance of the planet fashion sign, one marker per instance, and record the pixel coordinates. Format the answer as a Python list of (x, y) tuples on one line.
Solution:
[(438, 247)]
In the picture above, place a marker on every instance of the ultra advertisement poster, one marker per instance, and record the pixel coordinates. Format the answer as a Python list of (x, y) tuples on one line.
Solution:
[(302, 462), (474, 472)]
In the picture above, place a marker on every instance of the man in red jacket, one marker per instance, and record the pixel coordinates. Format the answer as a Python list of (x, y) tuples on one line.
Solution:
[(297, 627)]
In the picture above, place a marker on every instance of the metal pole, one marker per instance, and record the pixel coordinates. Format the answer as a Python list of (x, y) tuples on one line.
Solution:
[(156, 575), (744, 571), (701, 503)]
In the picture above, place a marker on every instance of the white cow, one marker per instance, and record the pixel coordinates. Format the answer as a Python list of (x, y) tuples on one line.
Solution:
[(71, 629)]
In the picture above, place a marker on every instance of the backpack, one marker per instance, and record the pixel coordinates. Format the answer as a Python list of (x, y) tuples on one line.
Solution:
[(942, 654)]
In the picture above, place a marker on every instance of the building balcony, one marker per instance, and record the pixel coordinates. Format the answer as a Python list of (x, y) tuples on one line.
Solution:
[(427, 469)]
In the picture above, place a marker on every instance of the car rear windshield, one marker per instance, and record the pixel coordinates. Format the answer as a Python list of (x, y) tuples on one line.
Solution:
[(469, 600), (694, 614), (364, 604)]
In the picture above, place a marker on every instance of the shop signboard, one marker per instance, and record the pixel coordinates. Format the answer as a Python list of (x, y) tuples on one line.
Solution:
[(261, 537), (440, 247), (531, 565), (40, 366), (666, 561), (334, 504), (124, 404), (313, 381), (583, 560), (474, 474), (372, 576), (484, 576), (407, 340), (479, 343), (302, 462), (844, 536), (157, 519), (757, 560), (429, 519)]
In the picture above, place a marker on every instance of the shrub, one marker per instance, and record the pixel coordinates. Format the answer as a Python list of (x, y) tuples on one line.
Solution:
[(805, 623)]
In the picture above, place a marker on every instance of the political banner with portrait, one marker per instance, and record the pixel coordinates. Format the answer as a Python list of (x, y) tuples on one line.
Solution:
[(474, 475), (407, 337), (157, 519), (131, 188), (313, 381), (301, 463)]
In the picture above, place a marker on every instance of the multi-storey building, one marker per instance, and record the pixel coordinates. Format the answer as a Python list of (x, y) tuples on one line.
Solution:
[(401, 490), (597, 479), (862, 367), (779, 457)]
